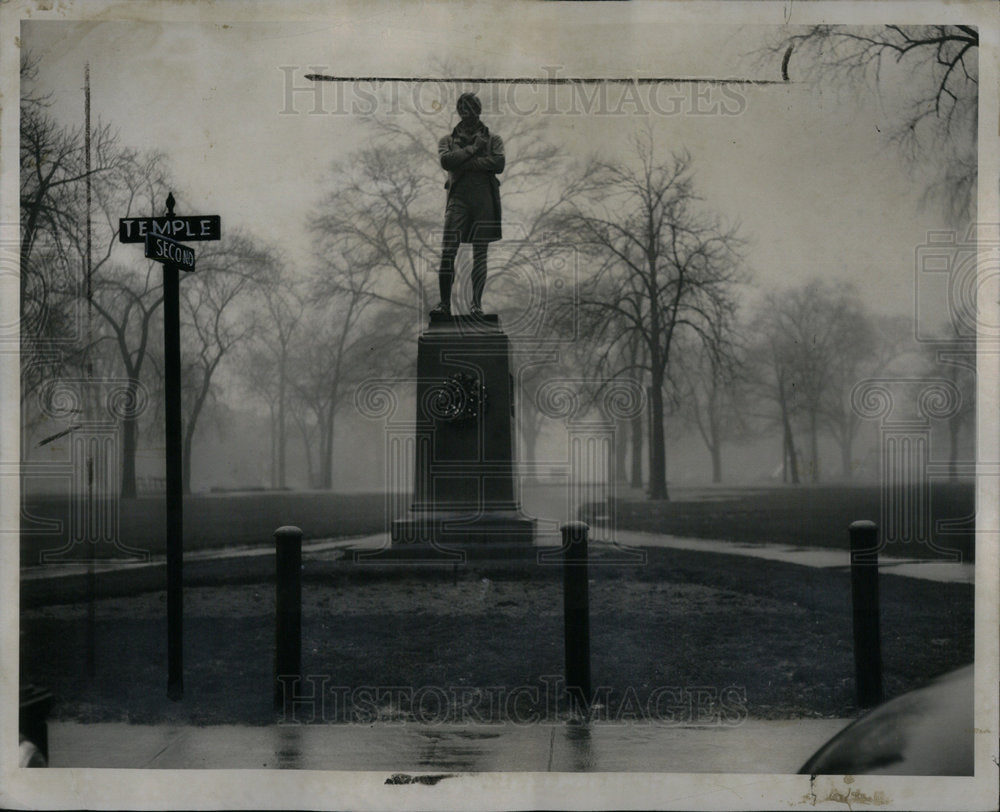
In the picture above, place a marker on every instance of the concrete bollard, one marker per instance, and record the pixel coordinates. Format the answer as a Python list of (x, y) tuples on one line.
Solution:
[(864, 597), (576, 613), (288, 614)]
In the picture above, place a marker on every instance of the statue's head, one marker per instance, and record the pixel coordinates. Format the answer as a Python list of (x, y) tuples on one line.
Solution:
[(469, 106)]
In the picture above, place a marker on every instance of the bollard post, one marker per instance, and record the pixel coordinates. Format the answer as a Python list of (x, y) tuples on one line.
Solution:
[(865, 602), (288, 613), (576, 613)]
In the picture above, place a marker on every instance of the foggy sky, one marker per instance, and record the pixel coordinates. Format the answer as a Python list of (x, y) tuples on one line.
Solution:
[(807, 170)]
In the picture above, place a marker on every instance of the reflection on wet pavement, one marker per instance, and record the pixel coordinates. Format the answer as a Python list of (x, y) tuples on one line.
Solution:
[(455, 750), (581, 755), (753, 746), (289, 750)]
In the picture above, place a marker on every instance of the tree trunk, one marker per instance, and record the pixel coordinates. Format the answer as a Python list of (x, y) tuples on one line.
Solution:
[(814, 446), (273, 423), (130, 437), (621, 447), (326, 463), (130, 432), (658, 452), (192, 422), (307, 448), (282, 429), (846, 465), (636, 438), (715, 447), (649, 437), (954, 431), (716, 451), (792, 457)]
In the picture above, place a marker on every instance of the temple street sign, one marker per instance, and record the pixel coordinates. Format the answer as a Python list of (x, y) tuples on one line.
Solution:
[(195, 227)]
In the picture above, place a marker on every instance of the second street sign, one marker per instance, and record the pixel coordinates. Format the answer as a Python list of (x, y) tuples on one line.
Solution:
[(170, 252), (197, 227)]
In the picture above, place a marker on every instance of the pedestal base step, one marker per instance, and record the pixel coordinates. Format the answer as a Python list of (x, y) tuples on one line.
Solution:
[(455, 554), (453, 537), (446, 529)]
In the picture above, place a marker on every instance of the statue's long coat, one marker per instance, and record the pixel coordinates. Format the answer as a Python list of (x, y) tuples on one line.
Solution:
[(473, 209)]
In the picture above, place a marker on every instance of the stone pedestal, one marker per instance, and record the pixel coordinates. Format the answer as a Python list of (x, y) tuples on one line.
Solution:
[(464, 490)]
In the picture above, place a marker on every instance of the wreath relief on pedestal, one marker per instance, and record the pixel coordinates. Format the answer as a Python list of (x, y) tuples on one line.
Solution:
[(459, 398)]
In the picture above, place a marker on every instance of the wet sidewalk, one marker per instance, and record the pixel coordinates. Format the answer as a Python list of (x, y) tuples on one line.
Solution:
[(927, 569), (824, 558), (753, 746)]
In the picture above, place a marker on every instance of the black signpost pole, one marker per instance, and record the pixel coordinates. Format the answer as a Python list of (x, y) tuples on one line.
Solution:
[(175, 485), (160, 235)]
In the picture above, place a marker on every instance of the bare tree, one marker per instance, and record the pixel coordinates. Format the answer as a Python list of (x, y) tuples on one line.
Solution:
[(637, 363), (341, 340), (804, 334), (711, 394), (865, 348), (773, 365), (937, 96), (532, 372), (266, 359), (216, 317), (666, 266), (816, 341), (953, 355), (126, 297), (53, 172), (379, 213), (53, 168), (959, 364), (300, 413)]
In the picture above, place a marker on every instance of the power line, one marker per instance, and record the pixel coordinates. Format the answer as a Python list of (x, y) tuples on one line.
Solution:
[(549, 80)]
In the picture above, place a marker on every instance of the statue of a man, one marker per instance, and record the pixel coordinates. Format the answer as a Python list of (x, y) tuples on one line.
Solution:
[(472, 157)]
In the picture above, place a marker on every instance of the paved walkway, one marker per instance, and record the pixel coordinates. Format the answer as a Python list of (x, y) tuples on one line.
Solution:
[(927, 569), (953, 572), (751, 747)]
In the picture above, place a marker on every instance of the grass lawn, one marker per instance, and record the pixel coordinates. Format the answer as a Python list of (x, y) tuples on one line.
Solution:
[(808, 516), (774, 638), (805, 516), (228, 520)]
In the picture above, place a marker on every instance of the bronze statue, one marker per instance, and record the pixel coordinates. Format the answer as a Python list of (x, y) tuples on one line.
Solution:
[(473, 157)]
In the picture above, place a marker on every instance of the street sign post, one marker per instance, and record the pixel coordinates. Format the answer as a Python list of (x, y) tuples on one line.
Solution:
[(175, 483), (158, 234), (169, 252)]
